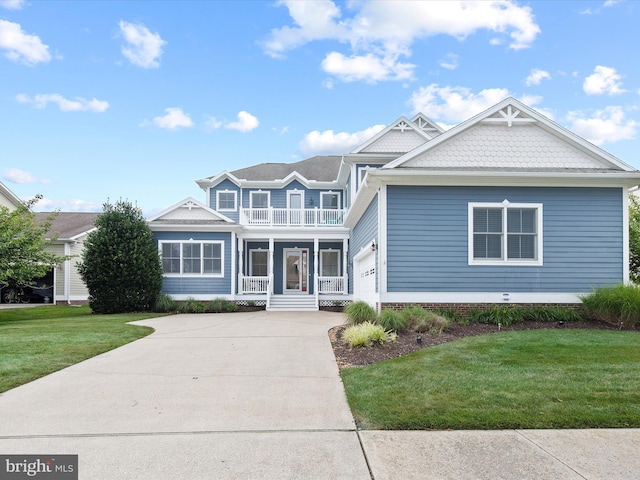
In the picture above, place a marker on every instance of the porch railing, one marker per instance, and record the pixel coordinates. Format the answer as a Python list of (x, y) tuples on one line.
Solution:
[(331, 285), (308, 217), (252, 285)]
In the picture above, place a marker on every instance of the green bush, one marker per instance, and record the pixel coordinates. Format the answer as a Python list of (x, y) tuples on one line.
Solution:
[(551, 313), (220, 305), (618, 305), (365, 334), (359, 312), (504, 315), (187, 306), (391, 320), (414, 316), (164, 304)]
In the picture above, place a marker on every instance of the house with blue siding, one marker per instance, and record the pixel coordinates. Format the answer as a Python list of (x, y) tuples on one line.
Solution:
[(507, 206)]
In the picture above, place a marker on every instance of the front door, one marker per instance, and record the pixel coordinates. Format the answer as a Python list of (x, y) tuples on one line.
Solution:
[(295, 270)]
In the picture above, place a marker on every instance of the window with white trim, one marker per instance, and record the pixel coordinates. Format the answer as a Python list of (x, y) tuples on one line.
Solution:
[(329, 263), (192, 258), (505, 233), (260, 199), (226, 200), (330, 200)]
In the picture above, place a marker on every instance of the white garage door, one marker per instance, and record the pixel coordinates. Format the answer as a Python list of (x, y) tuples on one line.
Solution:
[(365, 278)]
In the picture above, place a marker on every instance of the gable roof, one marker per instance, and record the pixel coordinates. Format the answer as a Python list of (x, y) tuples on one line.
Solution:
[(69, 225), (511, 130), (401, 136), (10, 197), (188, 212)]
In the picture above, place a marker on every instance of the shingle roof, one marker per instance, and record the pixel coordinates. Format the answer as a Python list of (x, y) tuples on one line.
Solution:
[(319, 168), (69, 224)]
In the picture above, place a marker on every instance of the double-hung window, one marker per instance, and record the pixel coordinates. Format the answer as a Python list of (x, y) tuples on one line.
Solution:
[(192, 258), (226, 200), (329, 263), (505, 233)]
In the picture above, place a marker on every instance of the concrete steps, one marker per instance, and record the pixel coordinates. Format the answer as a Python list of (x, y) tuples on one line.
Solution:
[(293, 303)]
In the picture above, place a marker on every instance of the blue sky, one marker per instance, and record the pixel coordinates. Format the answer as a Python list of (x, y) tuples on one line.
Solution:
[(138, 99)]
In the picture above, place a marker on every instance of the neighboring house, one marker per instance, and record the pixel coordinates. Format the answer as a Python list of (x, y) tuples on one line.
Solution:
[(63, 284), (70, 230), (505, 207)]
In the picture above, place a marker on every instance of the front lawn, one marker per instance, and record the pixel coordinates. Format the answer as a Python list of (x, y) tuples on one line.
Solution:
[(37, 341), (520, 379)]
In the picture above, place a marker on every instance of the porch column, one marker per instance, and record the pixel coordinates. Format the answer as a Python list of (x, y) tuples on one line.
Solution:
[(345, 259), (240, 263), (316, 283), (271, 249)]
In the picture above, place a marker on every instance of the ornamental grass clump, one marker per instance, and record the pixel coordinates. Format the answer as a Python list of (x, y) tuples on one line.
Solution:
[(359, 312), (391, 320), (618, 305), (422, 321), (165, 304), (366, 334)]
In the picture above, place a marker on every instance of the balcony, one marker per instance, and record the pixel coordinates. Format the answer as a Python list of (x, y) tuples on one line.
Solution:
[(288, 217)]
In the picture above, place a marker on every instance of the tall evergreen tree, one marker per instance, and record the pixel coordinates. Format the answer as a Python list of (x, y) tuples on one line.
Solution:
[(120, 264)]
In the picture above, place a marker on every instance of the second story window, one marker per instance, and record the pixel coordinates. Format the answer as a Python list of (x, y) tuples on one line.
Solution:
[(259, 199), (330, 200), (226, 200)]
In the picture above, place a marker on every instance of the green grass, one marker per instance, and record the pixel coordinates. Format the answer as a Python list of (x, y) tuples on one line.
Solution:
[(37, 341), (522, 379)]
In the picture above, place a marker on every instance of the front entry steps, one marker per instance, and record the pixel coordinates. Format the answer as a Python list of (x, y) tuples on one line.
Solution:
[(293, 303)]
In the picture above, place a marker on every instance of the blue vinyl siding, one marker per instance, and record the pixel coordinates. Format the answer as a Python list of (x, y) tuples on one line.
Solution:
[(427, 240), (229, 186), (195, 285), (361, 235), (278, 196)]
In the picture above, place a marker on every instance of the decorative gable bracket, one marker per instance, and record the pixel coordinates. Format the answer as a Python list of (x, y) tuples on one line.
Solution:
[(510, 116)]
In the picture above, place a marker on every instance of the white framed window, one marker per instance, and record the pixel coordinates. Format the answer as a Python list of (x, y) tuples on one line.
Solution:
[(227, 200), (192, 258), (329, 263), (260, 199), (505, 233), (259, 263), (330, 200)]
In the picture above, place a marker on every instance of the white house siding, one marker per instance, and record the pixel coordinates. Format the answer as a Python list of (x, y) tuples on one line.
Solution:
[(77, 288), (428, 240), (396, 141), (365, 231), (500, 146)]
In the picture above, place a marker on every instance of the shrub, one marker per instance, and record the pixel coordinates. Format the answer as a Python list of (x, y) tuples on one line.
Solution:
[(365, 334), (551, 313), (359, 312), (414, 316), (188, 306), (251, 303), (391, 320), (505, 315), (231, 307), (618, 305), (164, 303)]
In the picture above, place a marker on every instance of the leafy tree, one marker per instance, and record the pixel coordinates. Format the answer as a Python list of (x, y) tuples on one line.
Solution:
[(22, 245), (634, 238), (120, 263)]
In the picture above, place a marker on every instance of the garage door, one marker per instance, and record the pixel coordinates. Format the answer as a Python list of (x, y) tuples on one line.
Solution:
[(365, 278)]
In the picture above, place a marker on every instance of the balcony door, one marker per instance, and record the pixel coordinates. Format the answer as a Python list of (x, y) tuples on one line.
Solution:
[(295, 201), (296, 276)]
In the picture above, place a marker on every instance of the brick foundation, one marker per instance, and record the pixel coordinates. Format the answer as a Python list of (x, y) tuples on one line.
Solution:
[(464, 308)]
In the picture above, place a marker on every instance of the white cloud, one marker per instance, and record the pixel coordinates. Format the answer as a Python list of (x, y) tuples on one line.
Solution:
[(16, 175), (604, 126), (454, 104), (246, 122), (20, 46), (70, 205), (175, 118), (603, 80), (369, 67), (379, 33), (536, 76), (450, 61), (12, 4), (143, 48), (212, 123), (78, 104), (316, 142)]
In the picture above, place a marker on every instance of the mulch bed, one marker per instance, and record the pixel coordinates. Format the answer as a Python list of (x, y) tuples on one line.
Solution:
[(407, 341)]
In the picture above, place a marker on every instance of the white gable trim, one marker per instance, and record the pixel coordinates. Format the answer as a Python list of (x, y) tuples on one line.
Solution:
[(190, 203), (402, 123), (512, 112), (210, 182)]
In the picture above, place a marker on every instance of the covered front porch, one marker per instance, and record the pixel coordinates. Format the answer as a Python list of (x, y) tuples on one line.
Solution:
[(301, 273)]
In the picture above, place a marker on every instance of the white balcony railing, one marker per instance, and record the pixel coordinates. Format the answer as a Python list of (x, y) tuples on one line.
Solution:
[(282, 217), (255, 285), (331, 285)]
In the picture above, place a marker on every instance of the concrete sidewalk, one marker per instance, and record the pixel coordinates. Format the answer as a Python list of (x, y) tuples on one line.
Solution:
[(258, 395)]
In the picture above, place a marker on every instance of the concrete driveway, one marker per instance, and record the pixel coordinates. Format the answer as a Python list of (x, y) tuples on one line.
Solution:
[(258, 395)]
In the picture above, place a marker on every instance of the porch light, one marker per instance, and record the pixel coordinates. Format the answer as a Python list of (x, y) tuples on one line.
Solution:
[(311, 202), (373, 246)]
